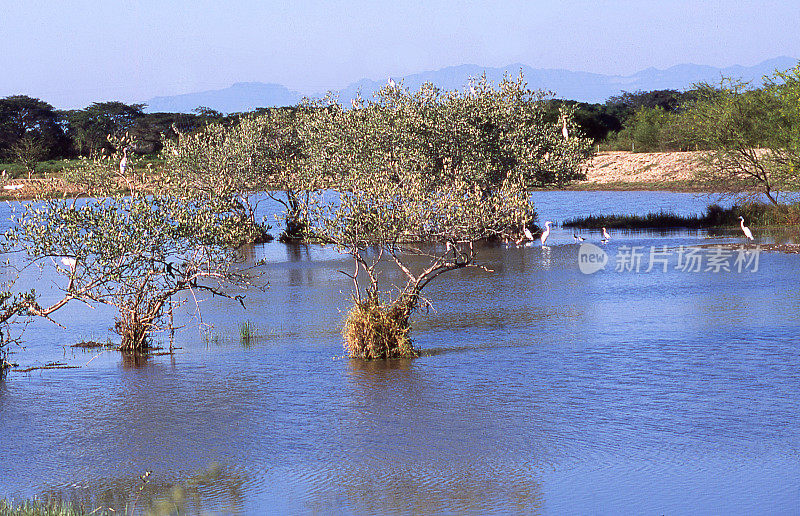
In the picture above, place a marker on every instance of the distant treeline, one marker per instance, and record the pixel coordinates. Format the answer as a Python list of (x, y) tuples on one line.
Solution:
[(640, 121), (27, 123)]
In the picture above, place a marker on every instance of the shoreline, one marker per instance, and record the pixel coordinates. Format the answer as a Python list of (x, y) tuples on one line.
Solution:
[(605, 171)]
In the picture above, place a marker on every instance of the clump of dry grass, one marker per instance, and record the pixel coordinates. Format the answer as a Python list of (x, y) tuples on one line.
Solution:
[(374, 330)]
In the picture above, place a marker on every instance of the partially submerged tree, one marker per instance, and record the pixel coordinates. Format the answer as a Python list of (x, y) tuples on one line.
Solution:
[(424, 178), (134, 253), (752, 135), (232, 162)]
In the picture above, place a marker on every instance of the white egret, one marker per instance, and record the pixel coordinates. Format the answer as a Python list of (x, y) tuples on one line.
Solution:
[(526, 235), (546, 232), (123, 164), (564, 130), (606, 236), (69, 261), (391, 83), (745, 229)]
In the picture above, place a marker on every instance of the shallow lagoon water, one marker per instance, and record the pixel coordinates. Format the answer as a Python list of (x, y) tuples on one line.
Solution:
[(541, 390)]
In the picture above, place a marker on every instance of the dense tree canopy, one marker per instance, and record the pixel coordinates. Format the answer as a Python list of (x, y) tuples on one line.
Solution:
[(429, 175)]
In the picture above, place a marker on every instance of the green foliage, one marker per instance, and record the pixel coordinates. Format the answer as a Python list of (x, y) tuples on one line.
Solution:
[(229, 162), (28, 151), (429, 166), (652, 130), (89, 128), (133, 253), (752, 135), (25, 117)]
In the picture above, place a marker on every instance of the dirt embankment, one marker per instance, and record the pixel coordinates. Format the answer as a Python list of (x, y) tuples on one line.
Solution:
[(645, 169)]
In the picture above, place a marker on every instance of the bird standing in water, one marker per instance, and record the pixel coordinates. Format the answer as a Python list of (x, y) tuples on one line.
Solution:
[(546, 232), (745, 229), (606, 236)]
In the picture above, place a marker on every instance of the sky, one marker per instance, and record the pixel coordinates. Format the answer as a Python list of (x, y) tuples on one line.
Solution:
[(71, 53)]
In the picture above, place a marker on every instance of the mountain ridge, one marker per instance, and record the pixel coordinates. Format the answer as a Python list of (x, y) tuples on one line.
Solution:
[(565, 84)]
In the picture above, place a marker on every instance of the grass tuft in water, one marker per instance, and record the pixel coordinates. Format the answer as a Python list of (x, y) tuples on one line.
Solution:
[(247, 333), (373, 330)]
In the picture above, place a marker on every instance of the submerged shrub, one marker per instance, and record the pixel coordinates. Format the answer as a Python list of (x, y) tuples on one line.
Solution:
[(374, 330)]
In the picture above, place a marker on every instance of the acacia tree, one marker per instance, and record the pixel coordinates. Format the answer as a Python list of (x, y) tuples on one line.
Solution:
[(427, 176), (134, 253), (751, 135), (258, 153)]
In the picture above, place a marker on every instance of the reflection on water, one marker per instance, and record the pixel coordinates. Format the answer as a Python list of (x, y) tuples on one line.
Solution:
[(215, 488), (540, 390)]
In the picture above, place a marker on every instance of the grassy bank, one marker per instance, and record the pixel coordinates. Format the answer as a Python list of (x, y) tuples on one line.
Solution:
[(761, 215)]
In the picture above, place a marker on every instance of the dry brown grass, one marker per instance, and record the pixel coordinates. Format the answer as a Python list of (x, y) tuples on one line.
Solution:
[(373, 330)]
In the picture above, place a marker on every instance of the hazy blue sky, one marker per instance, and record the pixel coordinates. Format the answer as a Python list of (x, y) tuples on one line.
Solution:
[(71, 53)]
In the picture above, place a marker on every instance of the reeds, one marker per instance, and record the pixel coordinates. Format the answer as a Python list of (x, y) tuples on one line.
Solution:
[(715, 216), (373, 330), (37, 507)]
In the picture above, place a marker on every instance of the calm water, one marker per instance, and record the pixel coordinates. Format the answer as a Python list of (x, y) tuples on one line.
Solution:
[(543, 390)]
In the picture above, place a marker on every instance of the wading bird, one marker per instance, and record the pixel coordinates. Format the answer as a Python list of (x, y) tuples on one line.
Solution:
[(564, 130), (391, 83), (123, 164), (69, 261), (606, 236), (577, 237), (526, 235), (745, 229), (546, 232)]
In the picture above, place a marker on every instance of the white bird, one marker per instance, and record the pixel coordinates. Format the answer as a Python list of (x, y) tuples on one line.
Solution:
[(546, 232), (472, 90), (564, 130), (123, 164), (745, 229), (391, 83), (528, 233), (577, 237), (354, 103), (69, 261), (606, 236)]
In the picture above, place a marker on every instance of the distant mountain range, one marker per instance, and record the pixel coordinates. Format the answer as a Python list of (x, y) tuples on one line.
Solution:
[(582, 86)]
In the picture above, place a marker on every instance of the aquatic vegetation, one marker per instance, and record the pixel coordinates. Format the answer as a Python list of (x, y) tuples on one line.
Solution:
[(756, 214), (37, 507), (375, 330)]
